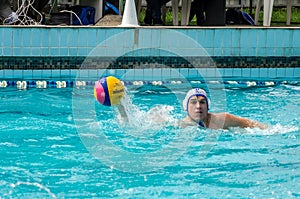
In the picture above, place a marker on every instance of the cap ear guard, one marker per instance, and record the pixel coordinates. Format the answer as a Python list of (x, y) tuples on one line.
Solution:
[(195, 92)]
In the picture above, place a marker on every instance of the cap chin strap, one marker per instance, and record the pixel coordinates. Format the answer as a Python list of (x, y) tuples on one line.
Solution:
[(200, 123)]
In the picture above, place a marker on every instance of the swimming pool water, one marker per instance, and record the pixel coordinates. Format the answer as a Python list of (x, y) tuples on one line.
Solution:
[(45, 153)]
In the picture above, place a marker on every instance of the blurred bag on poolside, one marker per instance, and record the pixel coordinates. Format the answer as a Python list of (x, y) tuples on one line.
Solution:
[(237, 17), (85, 15)]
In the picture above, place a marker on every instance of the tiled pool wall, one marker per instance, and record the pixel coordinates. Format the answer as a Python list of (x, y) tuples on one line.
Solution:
[(39, 53)]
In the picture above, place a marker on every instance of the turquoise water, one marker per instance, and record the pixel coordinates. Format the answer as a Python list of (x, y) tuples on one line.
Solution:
[(60, 143)]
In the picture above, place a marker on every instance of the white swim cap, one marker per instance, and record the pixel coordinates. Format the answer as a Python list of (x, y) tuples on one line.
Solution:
[(195, 92)]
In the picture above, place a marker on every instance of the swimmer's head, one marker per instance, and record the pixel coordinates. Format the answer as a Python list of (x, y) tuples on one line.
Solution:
[(195, 92)]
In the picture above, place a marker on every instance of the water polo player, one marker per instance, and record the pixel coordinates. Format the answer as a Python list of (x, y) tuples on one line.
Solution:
[(196, 104)]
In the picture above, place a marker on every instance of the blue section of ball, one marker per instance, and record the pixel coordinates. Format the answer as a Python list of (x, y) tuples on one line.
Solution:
[(103, 82)]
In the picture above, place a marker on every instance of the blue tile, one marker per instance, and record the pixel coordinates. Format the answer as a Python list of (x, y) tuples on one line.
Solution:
[(270, 39), (236, 35), (65, 73), (192, 34), (35, 51), (156, 38), (296, 72), (226, 51), (73, 37), (25, 51), (244, 51), (218, 52), (255, 72), (272, 73), (287, 51), (17, 51), (174, 72), (228, 72), (296, 38), (8, 74), (100, 36), (56, 74), (289, 73), (261, 38), (120, 73), (1, 37), (252, 38), (280, 72), (36, 74), (184, 72), (286, 38), (227, 38), (27, 74), (296, 51), (82, 37), (261, 51), (165, 73), (54, 51), (244, 39), (7, 51), (54, 37), (210, 72), (135, 74), (26, 37), (73, 51), (197, 72), (222, 72), (218, 38), (64, 37), (2, 74), (237, 72), (45, 39), (46, 74), (73, 73), (209, 38), (246, 72), (264, 72), (147, 74), (157, 74), (210, 51), (270, 51), (35, 37), (7, 37), (44, 51), (1, 51), (82, 51), (64, 51), (17, 37), (92, 74), (201, 37), (92, 34), (18, 74), (278, 52), (235, 51), (252, 51)]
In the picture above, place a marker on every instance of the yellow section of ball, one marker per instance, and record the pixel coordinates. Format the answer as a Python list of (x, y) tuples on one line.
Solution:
[(116, 90)]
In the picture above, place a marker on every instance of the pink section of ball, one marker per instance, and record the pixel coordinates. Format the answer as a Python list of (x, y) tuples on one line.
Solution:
[(100, 92)]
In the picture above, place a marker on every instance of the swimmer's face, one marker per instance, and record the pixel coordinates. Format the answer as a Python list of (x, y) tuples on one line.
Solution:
[(197, 108)]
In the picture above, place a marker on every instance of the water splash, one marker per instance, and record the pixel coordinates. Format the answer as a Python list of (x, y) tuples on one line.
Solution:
[(271, 130), (33, 184), (140, 122)]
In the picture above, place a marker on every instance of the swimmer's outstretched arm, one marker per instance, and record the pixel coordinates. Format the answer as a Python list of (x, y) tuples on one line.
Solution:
[(235, 121), (122, 112)]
